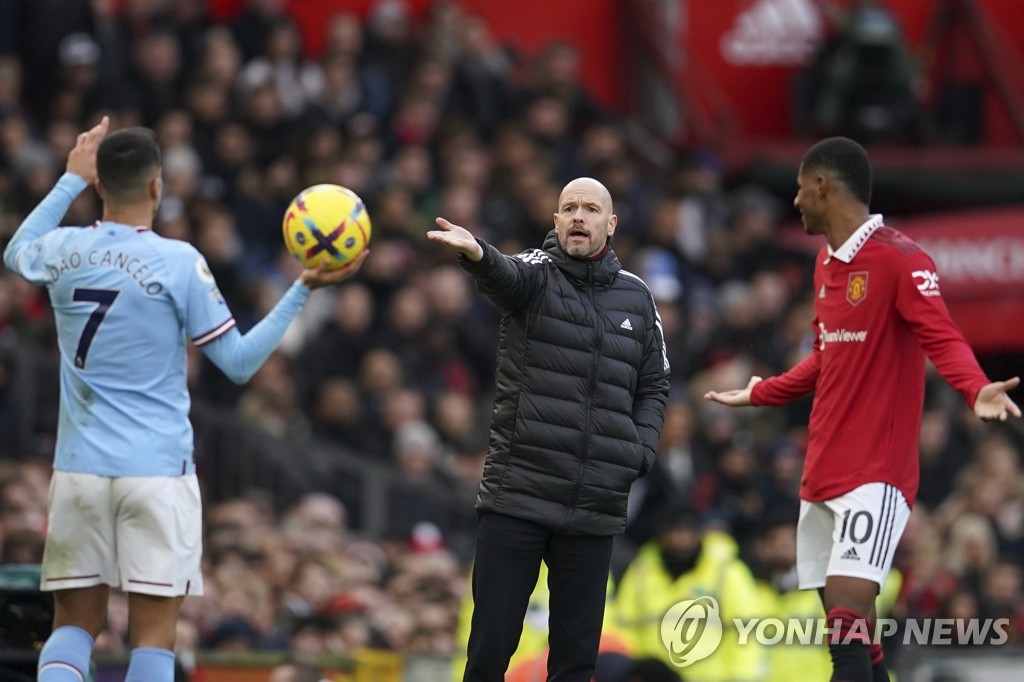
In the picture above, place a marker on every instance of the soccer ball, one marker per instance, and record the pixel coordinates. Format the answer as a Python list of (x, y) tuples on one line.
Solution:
[(326, 224)]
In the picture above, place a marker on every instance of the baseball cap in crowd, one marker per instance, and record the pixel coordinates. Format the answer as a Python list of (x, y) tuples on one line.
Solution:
[(78, 49), (661, 273), (426, 537)]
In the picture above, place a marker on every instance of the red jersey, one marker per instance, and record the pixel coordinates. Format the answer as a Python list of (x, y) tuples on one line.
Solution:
[(878, 313)]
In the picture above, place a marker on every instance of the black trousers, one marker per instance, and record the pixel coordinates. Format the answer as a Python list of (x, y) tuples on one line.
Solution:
[(508, 556)]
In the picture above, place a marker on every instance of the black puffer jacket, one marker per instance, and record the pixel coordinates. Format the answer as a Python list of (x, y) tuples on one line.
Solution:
[(581, 388)]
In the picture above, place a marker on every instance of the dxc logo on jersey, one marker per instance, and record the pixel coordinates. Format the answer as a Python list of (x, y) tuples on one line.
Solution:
[(691, 630), (929, 285)]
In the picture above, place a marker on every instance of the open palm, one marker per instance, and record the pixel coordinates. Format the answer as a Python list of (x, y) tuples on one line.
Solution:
[(738, 397), (458, 238), (994, 404)]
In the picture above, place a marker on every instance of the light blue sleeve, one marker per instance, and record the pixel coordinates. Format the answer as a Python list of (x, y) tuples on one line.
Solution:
[(25, 254), (238, 356), (201, 306)]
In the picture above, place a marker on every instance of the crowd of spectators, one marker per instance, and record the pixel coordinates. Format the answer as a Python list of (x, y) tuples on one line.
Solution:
[(426, 118)]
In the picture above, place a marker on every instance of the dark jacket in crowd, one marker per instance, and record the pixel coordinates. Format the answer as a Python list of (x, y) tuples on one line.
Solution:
[(580, 392)]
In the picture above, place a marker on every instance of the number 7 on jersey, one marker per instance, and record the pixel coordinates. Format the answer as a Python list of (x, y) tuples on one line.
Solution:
[(103, 298)]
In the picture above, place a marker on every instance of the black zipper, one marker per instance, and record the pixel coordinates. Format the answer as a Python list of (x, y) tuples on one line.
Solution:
[(595, 361)]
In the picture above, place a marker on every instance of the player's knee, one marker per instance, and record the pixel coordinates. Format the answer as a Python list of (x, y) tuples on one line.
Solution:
[(153, 621), (84, 608), (854, 594), (154, 635)]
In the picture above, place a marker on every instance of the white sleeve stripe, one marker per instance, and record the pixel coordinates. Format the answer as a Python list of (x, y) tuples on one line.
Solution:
[(661, 335), (627, 273), (214, 333), (63, 666), (533, 257), (657, 319)]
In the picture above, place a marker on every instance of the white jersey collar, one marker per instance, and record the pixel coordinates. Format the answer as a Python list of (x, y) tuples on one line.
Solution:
[(851, 246)]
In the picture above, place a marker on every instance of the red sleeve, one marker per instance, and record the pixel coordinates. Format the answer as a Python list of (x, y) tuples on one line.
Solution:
[(919, 303), (788, 386)]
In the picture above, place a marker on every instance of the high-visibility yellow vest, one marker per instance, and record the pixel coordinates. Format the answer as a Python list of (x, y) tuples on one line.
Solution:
[(647, 592)]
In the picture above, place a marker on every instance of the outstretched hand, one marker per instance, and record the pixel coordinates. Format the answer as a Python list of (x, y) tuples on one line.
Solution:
[(323, 276), (82, 159), (993, 403), (739, 397), (458, 238)]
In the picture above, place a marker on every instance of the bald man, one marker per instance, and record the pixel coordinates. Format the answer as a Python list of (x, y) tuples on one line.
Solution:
[(579, 402)]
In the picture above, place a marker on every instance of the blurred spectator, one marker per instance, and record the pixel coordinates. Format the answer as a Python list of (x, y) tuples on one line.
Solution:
[(21, 507), (269, 403), (417, 453), (672, 477), (940, 458), (253, 26), (927, 583), (389, 41), (282, 65), (41, 28), (556, 74), (731, 491), (309, 591), (481, 91), (338, 349), (10, 85), (317, 523), (863, 83), (684, 562), (17, 399), (220, 58), (971, 549), (79, 71), (22, 546), (1001, 597), (407, 319), (338, 417), (157, 81), (186, 642), (772, 558), (456, 419)]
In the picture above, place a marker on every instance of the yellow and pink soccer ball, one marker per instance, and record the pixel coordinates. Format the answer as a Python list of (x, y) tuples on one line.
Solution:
[(326, 224)]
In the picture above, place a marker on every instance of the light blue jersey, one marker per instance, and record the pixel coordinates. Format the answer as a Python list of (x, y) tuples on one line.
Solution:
[(125, 299)]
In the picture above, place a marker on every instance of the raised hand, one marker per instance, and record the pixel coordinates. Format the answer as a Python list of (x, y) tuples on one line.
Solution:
[(322, 276), (82, 159), (739, 397), (458, 238), (993, 403)]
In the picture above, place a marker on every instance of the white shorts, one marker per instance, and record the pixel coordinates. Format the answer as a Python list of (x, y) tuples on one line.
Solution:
[(852, 535), (142, 534)]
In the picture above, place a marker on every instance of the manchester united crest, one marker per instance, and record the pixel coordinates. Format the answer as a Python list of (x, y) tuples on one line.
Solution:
[(857, 287)]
